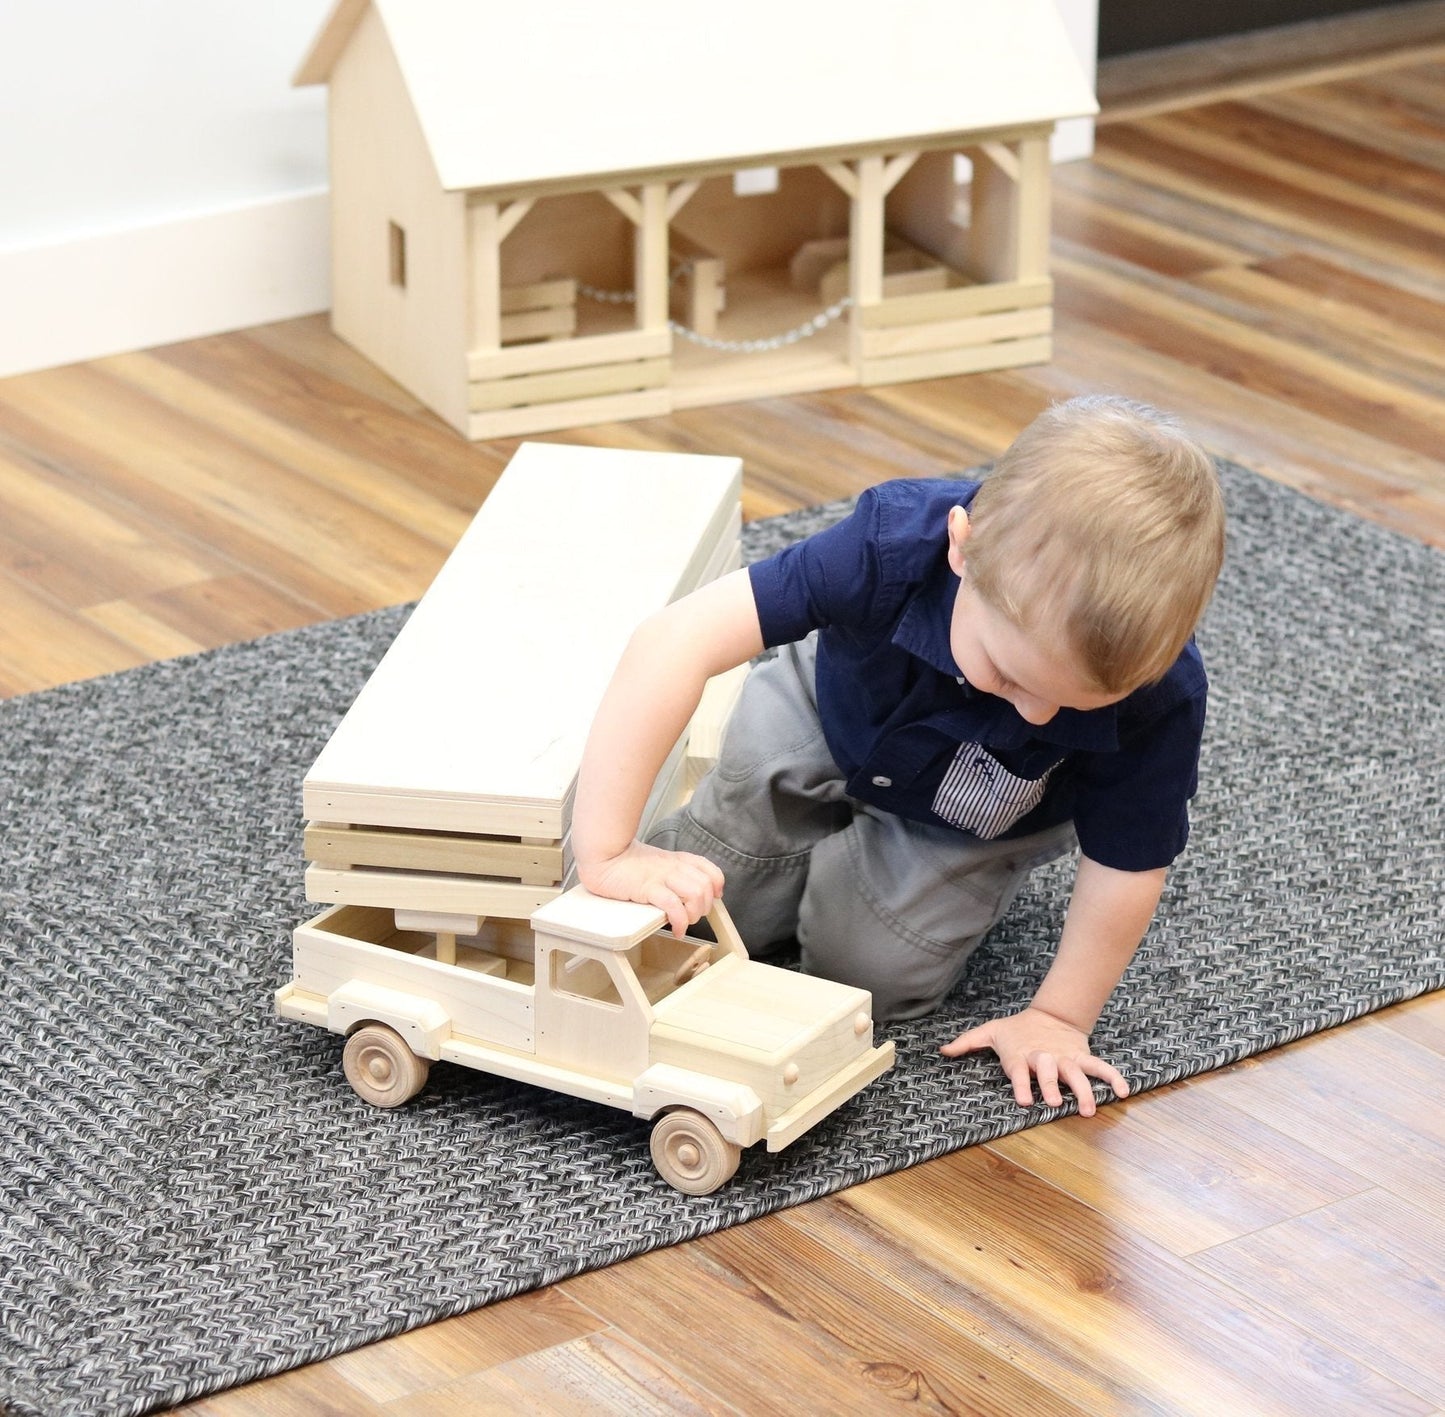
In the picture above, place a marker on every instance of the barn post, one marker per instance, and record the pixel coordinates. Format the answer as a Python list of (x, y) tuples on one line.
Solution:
[(484, 271), (651, 258)]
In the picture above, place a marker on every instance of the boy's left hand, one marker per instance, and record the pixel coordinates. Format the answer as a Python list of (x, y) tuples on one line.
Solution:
[(1036, 1044)]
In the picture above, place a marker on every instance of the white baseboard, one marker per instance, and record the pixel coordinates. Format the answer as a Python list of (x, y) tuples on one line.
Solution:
[(132, 289)]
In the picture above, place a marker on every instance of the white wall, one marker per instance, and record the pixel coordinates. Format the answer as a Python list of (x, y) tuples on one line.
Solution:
[(120, 113), (160, 179), (159, 176)]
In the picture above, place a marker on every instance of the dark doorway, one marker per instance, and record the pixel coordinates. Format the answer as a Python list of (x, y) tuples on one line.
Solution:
[(1129, 25)]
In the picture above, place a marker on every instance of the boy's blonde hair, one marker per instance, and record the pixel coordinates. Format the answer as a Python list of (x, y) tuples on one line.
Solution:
[(1101, 530)]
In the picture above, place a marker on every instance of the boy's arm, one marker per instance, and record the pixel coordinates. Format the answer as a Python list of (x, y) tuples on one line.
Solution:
[(653, 693), (1108, 914)]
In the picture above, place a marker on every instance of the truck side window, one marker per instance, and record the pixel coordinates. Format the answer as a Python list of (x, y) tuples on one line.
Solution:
[(584, 978)]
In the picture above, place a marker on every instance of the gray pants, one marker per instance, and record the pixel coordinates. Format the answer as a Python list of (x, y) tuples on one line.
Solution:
[(893, 906)]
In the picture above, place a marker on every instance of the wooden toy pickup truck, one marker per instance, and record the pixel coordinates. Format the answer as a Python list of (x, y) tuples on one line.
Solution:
[(440, 824), (597, 1000)]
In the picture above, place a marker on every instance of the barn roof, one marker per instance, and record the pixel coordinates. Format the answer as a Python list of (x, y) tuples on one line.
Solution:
[(525, 94)]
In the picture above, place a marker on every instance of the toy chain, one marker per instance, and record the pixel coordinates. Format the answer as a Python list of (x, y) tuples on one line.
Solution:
[(806, 330)]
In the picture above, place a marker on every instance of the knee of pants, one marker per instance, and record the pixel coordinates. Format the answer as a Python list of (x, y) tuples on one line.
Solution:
[(906, 979), (850, 938), (761, 893)]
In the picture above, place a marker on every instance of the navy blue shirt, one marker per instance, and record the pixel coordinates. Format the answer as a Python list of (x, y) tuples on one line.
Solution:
[(910, 737)]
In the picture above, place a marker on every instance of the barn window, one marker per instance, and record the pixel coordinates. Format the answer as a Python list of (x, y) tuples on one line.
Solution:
[(396, 242)]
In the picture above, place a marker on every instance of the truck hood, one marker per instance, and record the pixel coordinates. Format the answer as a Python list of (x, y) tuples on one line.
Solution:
[(747, 1008)]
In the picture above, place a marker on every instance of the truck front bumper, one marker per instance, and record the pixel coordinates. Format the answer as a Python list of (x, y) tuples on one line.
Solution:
[(810, 1110)]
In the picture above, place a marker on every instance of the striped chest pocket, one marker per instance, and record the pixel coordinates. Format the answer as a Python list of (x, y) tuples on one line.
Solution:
[(980, 795)]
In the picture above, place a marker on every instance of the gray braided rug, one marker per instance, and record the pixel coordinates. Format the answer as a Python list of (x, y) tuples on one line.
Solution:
[(193, 1197)]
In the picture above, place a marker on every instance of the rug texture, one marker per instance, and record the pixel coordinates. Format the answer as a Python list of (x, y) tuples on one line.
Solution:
[(190, 1194)]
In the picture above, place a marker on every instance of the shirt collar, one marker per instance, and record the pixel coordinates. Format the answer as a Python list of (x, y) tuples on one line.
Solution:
[(923, 631), (923, 628)]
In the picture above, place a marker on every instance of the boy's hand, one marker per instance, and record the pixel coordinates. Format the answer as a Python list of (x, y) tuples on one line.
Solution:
[(1036, 1044), (683, 885)]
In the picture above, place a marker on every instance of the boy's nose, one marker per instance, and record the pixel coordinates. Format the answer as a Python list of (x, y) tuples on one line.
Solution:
[(1033, 710)]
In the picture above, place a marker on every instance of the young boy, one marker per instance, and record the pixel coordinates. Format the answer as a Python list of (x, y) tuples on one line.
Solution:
[(972, 678)]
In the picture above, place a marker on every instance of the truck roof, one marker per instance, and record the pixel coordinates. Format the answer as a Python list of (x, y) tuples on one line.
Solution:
[(595, 920)]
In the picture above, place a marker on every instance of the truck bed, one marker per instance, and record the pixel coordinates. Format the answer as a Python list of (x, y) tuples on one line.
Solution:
[(488, 993)]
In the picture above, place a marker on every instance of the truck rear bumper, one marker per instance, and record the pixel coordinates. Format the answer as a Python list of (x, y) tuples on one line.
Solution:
[(297, 1004), (813, 1108)]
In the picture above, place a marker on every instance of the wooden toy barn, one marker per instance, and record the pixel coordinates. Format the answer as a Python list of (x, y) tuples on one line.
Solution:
[(566, 212)]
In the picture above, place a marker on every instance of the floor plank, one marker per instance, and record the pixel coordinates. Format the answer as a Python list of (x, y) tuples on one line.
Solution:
[(1422, 1020), (1315, 1266), (1190, 1170), (1403, 351), (316, 1391), (41, 644), (1230, 339), (1381, 107), (1369, 1098), (602, 1375), (1314, 216), (817, 1321), (1065, 1282), (412, 1366)]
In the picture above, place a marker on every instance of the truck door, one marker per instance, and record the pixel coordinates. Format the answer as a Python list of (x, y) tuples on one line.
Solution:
[(591, 1012)]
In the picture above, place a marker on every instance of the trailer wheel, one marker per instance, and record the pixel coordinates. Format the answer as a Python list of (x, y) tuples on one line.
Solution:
[(691, 1154), (381, 1068)]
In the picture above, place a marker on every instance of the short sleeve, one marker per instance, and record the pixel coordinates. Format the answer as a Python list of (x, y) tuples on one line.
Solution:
[(833, 577), (1132, 806)]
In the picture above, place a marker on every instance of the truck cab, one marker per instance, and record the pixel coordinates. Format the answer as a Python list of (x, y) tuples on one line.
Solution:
[(597, 999)]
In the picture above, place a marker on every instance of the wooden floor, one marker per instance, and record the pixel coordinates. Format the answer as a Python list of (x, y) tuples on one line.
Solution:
[(1265, 1239)]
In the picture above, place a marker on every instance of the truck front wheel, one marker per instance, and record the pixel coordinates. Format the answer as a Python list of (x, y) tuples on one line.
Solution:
[(382, 1069), (691, 1154)]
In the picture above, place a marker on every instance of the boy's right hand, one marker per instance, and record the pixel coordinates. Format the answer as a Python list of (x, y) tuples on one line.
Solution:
[(678, 883)]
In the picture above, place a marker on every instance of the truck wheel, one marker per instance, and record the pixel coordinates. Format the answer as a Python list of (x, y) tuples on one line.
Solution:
[(382, 1069), (691, 1154)]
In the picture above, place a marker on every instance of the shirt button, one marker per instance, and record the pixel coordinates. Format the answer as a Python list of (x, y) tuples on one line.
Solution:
[(881, 781)]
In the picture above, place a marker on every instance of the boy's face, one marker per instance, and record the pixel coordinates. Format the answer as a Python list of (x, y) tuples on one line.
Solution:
[(999, 658)]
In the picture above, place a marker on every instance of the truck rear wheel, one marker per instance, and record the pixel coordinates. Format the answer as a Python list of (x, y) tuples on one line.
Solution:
[(381, 1068), (691, 1154)]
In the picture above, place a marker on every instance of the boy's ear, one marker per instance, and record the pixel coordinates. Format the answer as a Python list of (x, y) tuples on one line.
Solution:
[(958, 530)]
